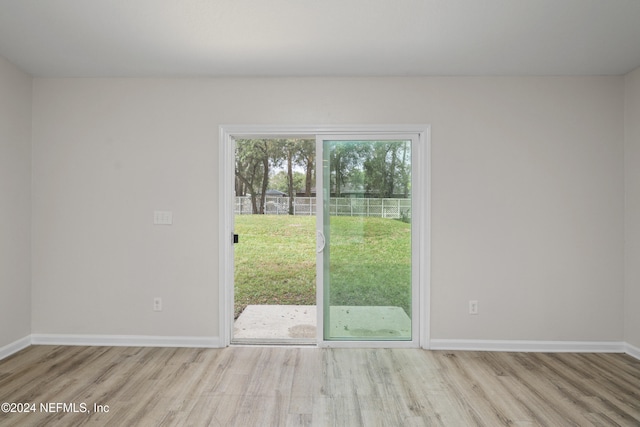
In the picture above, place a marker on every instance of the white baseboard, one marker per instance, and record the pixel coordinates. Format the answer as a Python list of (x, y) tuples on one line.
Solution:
[(530, 346), (15, 347), (214, 342), (125, 340), (632, 351)]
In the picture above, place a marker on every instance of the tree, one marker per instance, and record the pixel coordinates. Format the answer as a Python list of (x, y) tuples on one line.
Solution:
[(386, 174), (306, 159), (253, 160), (298, 152), (290, 151), (405, 169), (280, 181), (248, 170), (344, 157), (380, 168)]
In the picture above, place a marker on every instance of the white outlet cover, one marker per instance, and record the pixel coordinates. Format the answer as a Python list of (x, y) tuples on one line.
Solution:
[(473, 307), (163, 217)]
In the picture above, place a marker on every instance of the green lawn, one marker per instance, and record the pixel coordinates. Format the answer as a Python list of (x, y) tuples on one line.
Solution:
[(275, 261)]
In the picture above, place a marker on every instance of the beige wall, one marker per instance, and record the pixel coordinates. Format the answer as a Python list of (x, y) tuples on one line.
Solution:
[(527, 197), (632, 208), (15, 204)]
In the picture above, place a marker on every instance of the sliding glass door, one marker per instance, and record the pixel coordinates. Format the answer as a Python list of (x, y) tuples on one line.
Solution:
[(370, 190), (366, 247)]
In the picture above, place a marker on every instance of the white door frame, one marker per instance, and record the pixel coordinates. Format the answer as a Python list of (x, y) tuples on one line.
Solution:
[(421, 196)]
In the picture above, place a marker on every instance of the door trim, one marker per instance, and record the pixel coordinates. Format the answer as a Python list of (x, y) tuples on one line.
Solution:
[(226, 177)]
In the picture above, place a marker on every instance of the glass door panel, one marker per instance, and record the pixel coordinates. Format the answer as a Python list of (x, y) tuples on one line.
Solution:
[(367, 240)]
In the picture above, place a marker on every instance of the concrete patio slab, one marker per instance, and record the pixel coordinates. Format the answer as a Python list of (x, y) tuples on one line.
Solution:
[(276, 322), (298, 323), (371, 323)]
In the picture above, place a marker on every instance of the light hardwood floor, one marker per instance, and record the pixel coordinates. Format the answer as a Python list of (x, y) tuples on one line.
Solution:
[(274, 386)]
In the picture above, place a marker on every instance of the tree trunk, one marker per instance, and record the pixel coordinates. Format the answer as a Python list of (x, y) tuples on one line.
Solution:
[(405, 180), (254, 206), (290, 176), (309, 178), (392, 172), (338, 169), (265, 184)]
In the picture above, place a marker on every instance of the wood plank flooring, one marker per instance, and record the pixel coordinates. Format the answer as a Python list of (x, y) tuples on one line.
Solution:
[(285, 386)]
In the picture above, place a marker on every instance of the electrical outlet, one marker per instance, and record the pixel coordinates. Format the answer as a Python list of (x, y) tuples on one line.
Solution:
[(473, 307), (157, 304), (163, 217)]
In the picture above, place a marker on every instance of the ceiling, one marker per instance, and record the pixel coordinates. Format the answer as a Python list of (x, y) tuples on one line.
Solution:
[(142, 38)]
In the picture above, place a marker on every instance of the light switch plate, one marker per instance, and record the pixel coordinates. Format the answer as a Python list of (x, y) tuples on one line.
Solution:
[(162, 217)]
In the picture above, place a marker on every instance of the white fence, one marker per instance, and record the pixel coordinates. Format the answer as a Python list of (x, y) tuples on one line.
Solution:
[(344, 206)]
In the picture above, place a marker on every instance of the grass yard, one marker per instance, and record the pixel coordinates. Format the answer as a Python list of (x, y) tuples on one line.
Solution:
[(275, 261), (370, 262)]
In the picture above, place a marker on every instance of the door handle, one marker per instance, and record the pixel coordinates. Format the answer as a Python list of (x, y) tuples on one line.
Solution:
[(320, 242)]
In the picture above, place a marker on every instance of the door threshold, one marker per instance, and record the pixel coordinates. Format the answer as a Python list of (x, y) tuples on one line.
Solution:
[(308, 342)]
